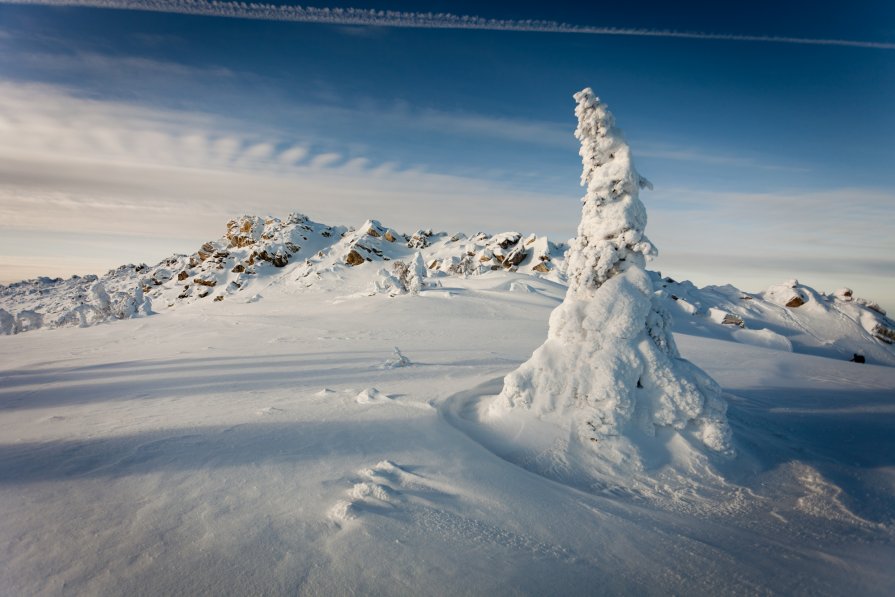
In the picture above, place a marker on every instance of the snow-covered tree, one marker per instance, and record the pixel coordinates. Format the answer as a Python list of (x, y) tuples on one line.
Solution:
[(609, 371), (417, 273), (411, 274)]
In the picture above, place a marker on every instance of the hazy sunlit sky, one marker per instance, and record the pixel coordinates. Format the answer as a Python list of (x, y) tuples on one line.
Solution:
[(128, 135)]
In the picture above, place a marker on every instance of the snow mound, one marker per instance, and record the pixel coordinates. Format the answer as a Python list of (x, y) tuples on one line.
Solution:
[(371, 396), (763, 338)]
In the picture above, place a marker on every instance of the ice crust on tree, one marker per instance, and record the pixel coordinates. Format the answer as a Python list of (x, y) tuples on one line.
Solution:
[(609, 372)]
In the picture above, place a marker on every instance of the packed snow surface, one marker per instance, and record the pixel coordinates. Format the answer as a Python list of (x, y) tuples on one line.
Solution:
[(264, 447)]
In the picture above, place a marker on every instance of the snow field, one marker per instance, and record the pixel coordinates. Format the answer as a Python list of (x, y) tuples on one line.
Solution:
[(196, 452)]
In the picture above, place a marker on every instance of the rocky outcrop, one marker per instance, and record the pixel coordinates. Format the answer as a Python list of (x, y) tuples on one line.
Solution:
[(354, 258), (420, 239), (244, 231), (795, 302), (884, 333), (253, 248), (790, 294)]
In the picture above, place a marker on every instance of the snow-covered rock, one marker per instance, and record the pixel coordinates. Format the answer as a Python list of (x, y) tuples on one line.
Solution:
[(254, 252)]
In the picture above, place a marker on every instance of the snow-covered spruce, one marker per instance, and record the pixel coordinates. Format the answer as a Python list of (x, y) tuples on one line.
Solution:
[(609, 375)]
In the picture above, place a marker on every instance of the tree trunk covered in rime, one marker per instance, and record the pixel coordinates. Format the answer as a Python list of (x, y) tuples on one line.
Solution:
[(609, 371)]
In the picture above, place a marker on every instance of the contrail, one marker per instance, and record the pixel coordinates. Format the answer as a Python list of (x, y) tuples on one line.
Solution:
[(416, 20)]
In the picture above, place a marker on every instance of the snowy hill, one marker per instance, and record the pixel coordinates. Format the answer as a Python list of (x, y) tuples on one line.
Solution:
[(791, 317), (257, 253)]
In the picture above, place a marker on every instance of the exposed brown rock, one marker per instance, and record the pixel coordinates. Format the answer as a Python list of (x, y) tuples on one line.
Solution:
[(884, 334), (730, 319), (516, 256), (219, 298), (238, 268), (373, 232), (353, 258), (795, 301), (240, 241), (420, 239), (278, 260), (542, 267), (389, 236), (202, 282), (182, 276), (206, 251), (509, 240)]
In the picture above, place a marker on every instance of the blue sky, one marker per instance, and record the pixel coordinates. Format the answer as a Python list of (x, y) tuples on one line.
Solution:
[(130, 134)]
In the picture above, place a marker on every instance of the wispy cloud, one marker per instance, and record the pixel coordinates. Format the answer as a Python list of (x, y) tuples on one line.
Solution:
[(152, 181), (92, 62), (420, 20), (690, 154)]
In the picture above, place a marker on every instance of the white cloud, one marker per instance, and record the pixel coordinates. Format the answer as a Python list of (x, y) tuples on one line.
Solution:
[(258, 152), (689, 154), (293, 155), (325, 160)]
